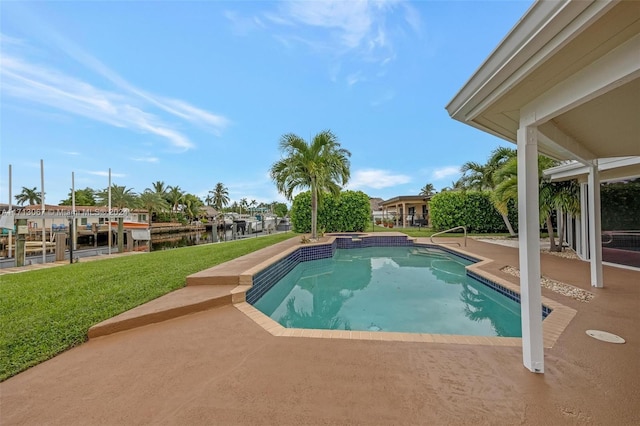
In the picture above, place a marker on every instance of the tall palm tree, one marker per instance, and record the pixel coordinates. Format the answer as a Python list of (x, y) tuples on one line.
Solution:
[(321, 165), (243, 205), (121, 197), (563, 196), (484, 177), (28, 195), (159, 187), (174, 197), (428, 190), (219, 196), (153, 202)]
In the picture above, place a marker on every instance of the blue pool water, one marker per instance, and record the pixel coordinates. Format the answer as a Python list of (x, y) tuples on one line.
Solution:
[(398, 289)]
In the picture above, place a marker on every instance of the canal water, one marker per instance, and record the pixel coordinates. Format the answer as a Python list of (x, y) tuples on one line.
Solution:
[(185, 239)]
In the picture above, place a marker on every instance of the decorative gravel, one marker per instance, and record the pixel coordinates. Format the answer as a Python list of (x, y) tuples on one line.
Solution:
[(556, 286)]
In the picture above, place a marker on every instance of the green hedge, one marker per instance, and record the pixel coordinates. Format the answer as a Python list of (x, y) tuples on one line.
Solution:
[(473, 209), (350, 211), (620, 204)]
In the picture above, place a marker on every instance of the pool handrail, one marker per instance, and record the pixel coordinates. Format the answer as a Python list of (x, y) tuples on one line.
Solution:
[(464, 228)]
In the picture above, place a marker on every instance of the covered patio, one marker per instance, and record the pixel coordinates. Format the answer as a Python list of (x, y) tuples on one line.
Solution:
[(407, 210), (564, 83)]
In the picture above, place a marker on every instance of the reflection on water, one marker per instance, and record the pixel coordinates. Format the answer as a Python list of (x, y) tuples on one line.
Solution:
[(185, 239), (390, 289)]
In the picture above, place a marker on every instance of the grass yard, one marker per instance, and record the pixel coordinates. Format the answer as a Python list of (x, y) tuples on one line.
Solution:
[(45, 312)]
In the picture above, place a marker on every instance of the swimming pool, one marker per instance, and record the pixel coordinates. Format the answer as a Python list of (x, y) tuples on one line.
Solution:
[(414, 289)]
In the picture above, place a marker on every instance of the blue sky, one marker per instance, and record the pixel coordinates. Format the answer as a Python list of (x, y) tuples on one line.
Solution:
[(195, 93)]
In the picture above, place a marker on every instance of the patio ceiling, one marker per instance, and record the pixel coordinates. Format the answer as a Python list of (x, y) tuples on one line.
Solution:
[(574, 69)]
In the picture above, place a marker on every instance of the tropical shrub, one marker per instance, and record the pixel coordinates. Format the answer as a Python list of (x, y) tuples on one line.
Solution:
[(349, 211), (474, 209), (620, 204)]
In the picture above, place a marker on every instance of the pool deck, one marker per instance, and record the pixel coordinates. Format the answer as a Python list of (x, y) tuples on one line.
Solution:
[(218, 366)]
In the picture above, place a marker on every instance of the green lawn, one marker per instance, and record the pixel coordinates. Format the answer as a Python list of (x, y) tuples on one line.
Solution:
[(45, 312)]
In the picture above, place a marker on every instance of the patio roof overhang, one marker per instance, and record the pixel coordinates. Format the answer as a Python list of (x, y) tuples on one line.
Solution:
[(565, 82), (609, 169), (573, 69), (405, 199)]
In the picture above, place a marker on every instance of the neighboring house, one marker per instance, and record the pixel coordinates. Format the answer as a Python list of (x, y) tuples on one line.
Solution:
[(565, 82), (57, 217), (407, 210)]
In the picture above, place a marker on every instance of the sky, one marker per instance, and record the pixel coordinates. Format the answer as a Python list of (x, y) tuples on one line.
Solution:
[(193, 93)]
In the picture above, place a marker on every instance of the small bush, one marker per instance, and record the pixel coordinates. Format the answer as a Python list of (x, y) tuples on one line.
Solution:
[(472, 209), (350, 211)]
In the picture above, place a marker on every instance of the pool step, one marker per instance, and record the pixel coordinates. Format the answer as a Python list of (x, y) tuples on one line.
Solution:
[(181, 302), (429, 252)]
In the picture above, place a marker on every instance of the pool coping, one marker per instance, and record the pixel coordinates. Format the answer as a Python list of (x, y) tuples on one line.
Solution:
[(553, 325)]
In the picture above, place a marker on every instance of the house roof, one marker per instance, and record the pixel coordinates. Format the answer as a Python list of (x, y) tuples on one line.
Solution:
[(406, 199), (570, 68), (609, 168)]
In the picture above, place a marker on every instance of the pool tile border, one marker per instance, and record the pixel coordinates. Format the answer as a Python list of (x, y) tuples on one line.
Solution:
[(253, 284)]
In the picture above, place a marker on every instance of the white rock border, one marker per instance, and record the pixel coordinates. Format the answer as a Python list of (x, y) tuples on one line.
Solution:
[(556, 286)]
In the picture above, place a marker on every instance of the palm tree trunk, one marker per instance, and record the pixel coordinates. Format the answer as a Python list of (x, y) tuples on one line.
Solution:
[(509, 227), (314, 213), (560, 231), (552, 240)]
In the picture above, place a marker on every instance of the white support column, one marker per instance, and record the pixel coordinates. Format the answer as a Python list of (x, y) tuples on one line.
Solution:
[(529, 236), (584, 221), (595, 226)]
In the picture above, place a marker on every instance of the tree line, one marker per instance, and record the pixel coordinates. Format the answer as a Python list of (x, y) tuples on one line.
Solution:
[(322, 166), (166, 202)]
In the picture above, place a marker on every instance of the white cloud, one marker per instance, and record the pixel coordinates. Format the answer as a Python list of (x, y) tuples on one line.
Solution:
[(376, 179), (445, 172), (104, 174), (128, 108), (355, 78), (384, 98), (147, 159), (341, 27)]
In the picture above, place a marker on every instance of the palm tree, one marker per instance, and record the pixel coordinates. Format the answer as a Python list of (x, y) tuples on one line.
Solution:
[(428, 190), (30, 195), (243, 205), (192, 205), (159, 187), (457, 185), (322, 165), (484, 176), (152, 202), (219, 196), (84, 197), (121, 197), (174, 197), (562, 196)]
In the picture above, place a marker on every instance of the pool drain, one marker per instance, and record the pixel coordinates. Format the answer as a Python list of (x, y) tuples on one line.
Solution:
[(605, 336)]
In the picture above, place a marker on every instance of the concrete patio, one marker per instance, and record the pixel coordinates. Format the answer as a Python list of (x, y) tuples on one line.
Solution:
[(217, 366)]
